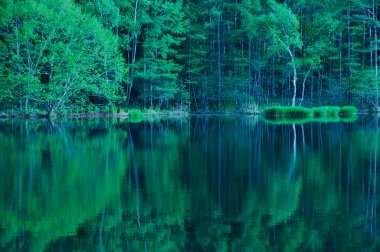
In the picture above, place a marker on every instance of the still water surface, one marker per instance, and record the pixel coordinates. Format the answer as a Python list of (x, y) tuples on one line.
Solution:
[(203, 184)]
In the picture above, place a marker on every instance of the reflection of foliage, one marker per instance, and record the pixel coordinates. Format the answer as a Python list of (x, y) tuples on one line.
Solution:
[(199, 190), (263, 209), (51, 183), (160, 208)]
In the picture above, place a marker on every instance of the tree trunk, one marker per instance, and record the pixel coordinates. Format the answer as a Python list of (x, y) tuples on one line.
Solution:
[(311, 85), (340, 59), (294, 77), (273, 76), (376, 66), (363, 44), (134, 52), (303, 84), (219, 58), (249, 68), (189, 76), (349, 54)]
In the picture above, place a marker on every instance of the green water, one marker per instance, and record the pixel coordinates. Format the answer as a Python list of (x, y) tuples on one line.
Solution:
[(203, 184)]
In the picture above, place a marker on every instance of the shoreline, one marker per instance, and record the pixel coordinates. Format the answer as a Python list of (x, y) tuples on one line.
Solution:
[(149, 115), (96, 115)]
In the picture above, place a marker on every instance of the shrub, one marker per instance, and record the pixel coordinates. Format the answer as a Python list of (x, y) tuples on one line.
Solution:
[(136, 115), (113, 109), (250, 108), (289, 112), (272, 111), (79, 110), (348, 111), (96, 110), (297, 115), (326, 111)]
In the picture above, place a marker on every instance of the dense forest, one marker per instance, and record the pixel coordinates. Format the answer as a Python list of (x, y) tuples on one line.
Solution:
[(188, 54)]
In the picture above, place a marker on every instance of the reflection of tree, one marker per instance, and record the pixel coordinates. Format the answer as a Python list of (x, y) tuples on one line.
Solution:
[(154, 216), (196, 188), (264, 208), (329, 209), (337, 190), (164, 200), (57, 180)]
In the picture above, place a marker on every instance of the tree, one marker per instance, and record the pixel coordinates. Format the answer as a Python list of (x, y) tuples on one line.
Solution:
[(53, 58), (283, 29), (163, 32)]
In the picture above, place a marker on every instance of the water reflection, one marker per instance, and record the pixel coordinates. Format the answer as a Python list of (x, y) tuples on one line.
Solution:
[(212, 184), (55, 177)]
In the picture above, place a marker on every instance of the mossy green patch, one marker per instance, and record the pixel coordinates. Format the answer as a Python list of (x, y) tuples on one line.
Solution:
[(136, 115), (348, 111), (326, 111), (289, 112), (299, 115)]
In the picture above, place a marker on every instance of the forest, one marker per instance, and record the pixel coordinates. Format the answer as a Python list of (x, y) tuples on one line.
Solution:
[(199, 56)]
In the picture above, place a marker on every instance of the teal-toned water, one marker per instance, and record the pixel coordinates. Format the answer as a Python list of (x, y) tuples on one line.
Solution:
[(203, 184)]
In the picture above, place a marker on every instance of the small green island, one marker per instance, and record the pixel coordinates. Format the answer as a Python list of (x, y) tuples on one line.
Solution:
[(299, 114)]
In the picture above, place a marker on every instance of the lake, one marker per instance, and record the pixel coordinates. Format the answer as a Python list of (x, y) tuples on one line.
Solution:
[(200, 184)]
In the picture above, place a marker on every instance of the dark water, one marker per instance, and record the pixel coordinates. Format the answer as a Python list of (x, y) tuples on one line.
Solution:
[(204, 184)]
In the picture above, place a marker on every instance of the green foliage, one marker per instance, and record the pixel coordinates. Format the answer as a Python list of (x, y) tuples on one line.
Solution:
[(283, 25), (348, 111), (60, 56), (159, 67), (326, 111), (136, 115), (288, 112), (165, 54), (366, 86), (301, 115)]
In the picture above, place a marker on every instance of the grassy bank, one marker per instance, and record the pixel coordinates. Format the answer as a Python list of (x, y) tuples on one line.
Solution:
[(298, 114)]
